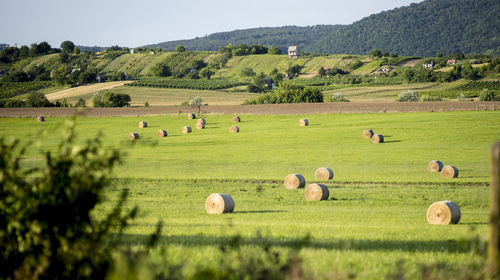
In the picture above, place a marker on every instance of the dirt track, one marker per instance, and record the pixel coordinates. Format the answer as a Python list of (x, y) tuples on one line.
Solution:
[(81, 90), (270, 109)]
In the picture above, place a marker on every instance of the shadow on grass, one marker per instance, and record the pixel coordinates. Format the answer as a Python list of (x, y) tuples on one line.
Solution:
[(451, 246), (259, 211), (211, 127), (392, 141)]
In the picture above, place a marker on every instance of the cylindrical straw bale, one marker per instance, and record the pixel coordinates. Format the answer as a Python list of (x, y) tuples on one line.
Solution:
[(40, 118), (143, 124), (201, 120), (449, 172), (443, 213), (324, 173), (367, 133), (234, 129), (133, 136), (186, 129), (377, 138), (162, 133), (294, 181), (236, 119), (200, 125), (435, 166), (218, 203), (317, 192), (191, 116), (303, 122)]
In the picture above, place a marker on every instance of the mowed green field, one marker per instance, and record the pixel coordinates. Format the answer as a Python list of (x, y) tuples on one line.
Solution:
[(373, 225)]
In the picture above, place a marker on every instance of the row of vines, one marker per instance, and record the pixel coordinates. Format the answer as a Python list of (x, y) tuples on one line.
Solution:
[(11, 89), (200, 84)]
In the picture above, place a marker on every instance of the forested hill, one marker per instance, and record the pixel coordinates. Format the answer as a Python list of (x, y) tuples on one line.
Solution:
[(433, 26), (281, 37), (423, 29)]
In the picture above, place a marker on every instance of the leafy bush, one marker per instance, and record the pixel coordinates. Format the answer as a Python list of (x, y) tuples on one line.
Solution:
[(37, 99), (247, 72), (487, 95), (461, 97), (47, 231), (80, 102), (289, 94), (408, 96), (339, 97)]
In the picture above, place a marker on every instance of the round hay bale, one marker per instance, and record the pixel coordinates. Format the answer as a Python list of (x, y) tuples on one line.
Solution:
[(133, 136), (443, 213), (449, 172), (236, 119), (367, 133), (200, 125), (143, 124), (435, 166), (218, 203), (303, 122), (186, 129), (234, 129), (201, 120), (316, 192), (162, 133), (294, 181), (377, 138), (324, 173), (40, 118), (191, 116)]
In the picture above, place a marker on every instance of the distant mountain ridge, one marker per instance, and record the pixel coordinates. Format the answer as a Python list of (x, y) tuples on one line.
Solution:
[(423, 29)]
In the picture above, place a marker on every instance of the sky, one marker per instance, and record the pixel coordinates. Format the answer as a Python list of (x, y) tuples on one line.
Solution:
[(137, 23)]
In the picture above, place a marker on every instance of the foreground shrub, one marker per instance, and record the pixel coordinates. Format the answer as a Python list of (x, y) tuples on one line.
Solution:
[(46, 230), (408, 96)]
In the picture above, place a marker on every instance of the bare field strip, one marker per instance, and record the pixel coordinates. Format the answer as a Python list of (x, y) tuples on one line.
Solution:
[(82, 90), (265, 109)]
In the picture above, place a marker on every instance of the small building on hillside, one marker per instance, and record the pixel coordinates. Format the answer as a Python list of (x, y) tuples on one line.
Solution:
[(269, 83), (293, 52), (451, 62)]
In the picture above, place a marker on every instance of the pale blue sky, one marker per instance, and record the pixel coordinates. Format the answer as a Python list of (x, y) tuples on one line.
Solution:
[(136, 23)]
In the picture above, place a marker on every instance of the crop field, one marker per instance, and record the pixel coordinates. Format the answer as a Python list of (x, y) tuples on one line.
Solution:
[(390, 92), (172, 97), (373, 226)]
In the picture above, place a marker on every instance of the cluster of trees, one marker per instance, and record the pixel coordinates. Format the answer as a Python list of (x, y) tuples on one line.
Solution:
[(12, 54), (466, 71), (330, 72), (289, 94), (110, 99)]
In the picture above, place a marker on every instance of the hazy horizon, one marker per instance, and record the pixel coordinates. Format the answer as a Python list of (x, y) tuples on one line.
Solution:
[(128, 24)]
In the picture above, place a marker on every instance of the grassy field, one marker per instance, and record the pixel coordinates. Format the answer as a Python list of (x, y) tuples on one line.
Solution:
[(373, 225)]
